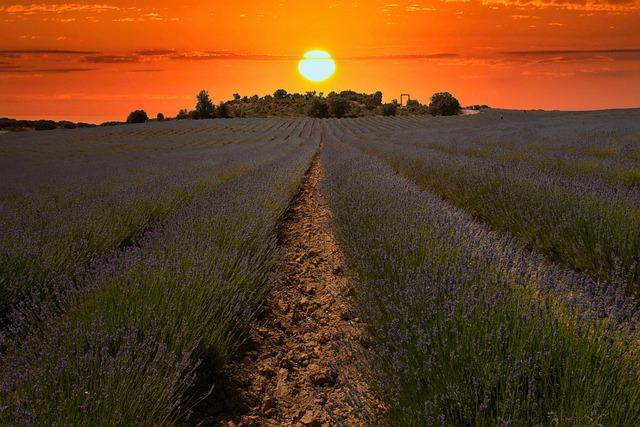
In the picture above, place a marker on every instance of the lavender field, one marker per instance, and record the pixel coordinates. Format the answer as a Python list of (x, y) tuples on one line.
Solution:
[(493, 258)]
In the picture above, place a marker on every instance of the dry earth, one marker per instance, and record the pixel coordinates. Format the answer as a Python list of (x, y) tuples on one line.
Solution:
[(299, 371)]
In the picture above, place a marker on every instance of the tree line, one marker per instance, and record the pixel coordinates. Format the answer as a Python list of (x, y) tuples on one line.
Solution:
[(312, 104)]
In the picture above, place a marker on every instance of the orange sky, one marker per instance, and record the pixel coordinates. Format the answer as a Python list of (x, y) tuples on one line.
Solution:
[(96, 61)]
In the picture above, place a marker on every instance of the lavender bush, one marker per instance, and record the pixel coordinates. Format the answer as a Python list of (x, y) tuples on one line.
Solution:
[(120, 340), (464, 327), (52, 224), (583, 221)]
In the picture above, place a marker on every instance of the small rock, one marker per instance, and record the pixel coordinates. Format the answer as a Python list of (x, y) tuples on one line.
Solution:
[(267, 371), (347, 315), (338, 270), (310, 419), (270, 413), (321, 376), (267, 404), (282, 388)]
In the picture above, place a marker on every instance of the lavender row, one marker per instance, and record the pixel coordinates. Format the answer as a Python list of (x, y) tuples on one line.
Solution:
[(464, 327), (585, 224), (39, 243), (128, 343)]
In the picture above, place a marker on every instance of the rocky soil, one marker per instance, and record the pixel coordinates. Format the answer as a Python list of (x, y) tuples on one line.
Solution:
[(298, 369)]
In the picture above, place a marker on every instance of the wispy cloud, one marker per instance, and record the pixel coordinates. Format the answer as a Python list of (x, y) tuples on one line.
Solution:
[(47, 52), (20, 69), (32, 9), (442, 55), (111, 59), (584, 5)]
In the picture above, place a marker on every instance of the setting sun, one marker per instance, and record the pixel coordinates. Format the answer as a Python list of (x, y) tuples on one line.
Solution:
[(317, 66)]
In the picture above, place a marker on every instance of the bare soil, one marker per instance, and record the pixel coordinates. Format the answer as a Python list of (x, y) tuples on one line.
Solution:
[(300, 371)]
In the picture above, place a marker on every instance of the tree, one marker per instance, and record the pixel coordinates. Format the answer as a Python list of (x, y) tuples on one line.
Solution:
[(339, 106), (390, 109), (160, 117), (444, 104), (204, 106), (236, 97), (318, 109), (183, 114), (223, 111), (138, 116), (280, 94), (376, 99)]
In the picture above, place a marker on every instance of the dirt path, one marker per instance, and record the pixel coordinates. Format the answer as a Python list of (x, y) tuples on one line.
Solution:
[(297, 372)]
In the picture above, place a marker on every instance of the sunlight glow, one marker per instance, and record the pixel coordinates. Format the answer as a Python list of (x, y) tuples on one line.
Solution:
[(317, 66)]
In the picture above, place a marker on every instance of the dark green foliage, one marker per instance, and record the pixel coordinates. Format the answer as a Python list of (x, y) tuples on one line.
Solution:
[(14, 125), (376, 99), (204, 106), (389, 109), (444, 104), (67, 125), (318, 109), (339, 106), (223, 111), (280, 94), (45, 125), (138, 116)]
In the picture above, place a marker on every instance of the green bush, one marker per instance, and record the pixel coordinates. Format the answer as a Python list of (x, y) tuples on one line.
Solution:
[(444, 104), (390, 109), (318, 109), (339, 106), (138, 116)]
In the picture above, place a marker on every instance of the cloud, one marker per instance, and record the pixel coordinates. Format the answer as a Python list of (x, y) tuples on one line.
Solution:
[(443, 55), (219, 55), (19, 69), (145, 70), (155, 52), (575, 55), (18, 9), (572, 51), (590, 5), (111, 59), (16, 53)]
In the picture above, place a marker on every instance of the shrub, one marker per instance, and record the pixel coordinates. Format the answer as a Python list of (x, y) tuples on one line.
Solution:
[(204, 106), (45, 125), (280, 94), (182, 114), (389, 109), (223, 111), (160, 117), (138, 116), (444, 104), (318, 109), (339, 106), (376, 99), (67, 125)]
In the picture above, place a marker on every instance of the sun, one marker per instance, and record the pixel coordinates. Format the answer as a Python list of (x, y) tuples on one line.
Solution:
[(317, 66)]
